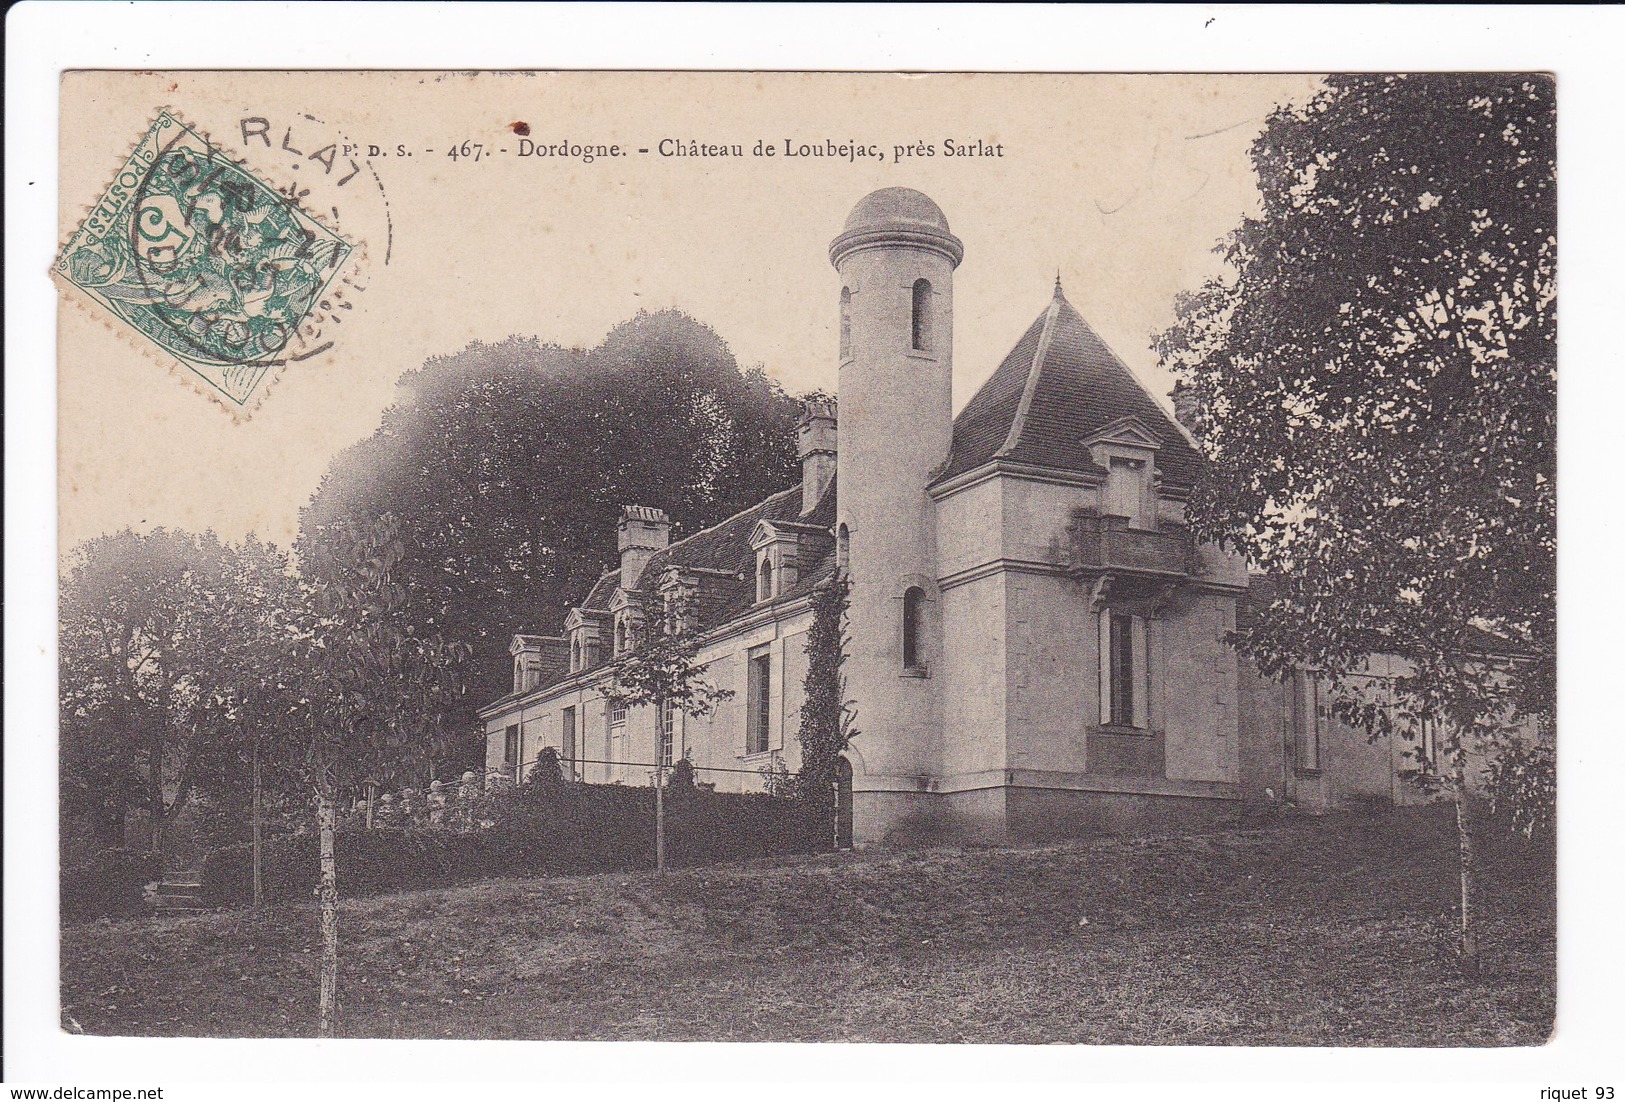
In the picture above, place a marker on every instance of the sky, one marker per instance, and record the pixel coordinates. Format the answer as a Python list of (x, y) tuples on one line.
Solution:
[(1121, 184)]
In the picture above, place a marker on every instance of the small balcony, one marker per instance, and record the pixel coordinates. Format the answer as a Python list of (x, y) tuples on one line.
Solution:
[(1107, 544)]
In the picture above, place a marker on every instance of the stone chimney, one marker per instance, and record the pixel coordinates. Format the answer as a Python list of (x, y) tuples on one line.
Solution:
[(642, 531), (815, 444)]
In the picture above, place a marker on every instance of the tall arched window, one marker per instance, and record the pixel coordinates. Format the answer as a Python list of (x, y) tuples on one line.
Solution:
[(922, 315), (913, 628), (764, 580), (620, 636), (843, 549), (846, 323), (575, 655)]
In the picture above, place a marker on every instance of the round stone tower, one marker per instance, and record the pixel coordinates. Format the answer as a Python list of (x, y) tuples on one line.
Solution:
[(896, 259)]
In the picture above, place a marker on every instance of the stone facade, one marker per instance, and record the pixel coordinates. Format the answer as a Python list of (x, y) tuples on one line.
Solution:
[(1037, 645)]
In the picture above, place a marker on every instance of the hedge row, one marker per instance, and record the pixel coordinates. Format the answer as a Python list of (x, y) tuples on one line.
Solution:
[(110, 883), (581, 829)]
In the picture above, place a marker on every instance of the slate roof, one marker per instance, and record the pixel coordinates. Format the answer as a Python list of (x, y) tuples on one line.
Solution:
[(725, 566), (1057, 386), (728, 588), (555, 657), (597, 598)]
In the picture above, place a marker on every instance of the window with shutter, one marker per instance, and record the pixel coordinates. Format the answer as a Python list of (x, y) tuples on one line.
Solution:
[(759, 702), (1125, 675)]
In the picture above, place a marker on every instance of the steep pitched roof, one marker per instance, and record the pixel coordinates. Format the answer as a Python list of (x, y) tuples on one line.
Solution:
[(1060, 384), (598, 597), (726, 565), (725, 550)]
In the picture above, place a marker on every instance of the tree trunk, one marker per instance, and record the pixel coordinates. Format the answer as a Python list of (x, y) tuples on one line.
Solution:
[(660, 805), (109, 828), (662, 703), (258, 880), (1464, 844), (328, 902), (155, 795)]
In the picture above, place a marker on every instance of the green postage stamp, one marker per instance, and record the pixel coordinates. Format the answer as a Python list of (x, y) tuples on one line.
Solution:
[(207, 261)]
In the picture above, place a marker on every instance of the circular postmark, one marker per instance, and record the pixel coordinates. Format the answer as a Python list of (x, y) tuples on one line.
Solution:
[(230, 267), (323, 168)]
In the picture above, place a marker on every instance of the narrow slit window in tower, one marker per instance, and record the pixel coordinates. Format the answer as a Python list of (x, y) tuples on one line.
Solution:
[(922, 315), (913, 614), (846, 323)]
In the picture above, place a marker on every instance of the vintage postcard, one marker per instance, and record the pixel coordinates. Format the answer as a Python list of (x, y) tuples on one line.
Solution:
[(824, 557)]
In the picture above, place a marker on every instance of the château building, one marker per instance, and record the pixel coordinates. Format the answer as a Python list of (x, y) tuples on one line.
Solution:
[(1037, 645)]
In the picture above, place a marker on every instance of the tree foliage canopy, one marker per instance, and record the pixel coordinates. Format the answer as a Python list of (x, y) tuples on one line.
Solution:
[(155, 632), (374, 676), (1374, 383), (507, 465), (662, 668)]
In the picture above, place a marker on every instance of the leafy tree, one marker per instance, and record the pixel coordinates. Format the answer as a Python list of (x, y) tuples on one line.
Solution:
[(662, 671), (507, 465), (827, 716), (1374, 383), (158, 632), (374, 682)]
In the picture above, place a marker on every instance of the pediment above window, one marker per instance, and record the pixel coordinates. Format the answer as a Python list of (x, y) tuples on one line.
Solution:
[(1129, 433), (580, 618), (674, 579), (765, 533), (623, 600)]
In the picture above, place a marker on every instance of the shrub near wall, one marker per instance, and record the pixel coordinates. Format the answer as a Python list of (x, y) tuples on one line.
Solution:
[(370, 862), (583, 829), (109, 883)]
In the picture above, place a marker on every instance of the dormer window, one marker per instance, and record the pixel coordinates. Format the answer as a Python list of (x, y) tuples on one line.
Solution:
[(1127, 451), (584, 628), (528, 662), (626, 612), (1125, 493), (776, 546), (628, 628), (677, 608)]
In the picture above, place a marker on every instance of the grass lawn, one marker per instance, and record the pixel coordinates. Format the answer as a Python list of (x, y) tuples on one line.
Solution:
[(1313, 932)]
